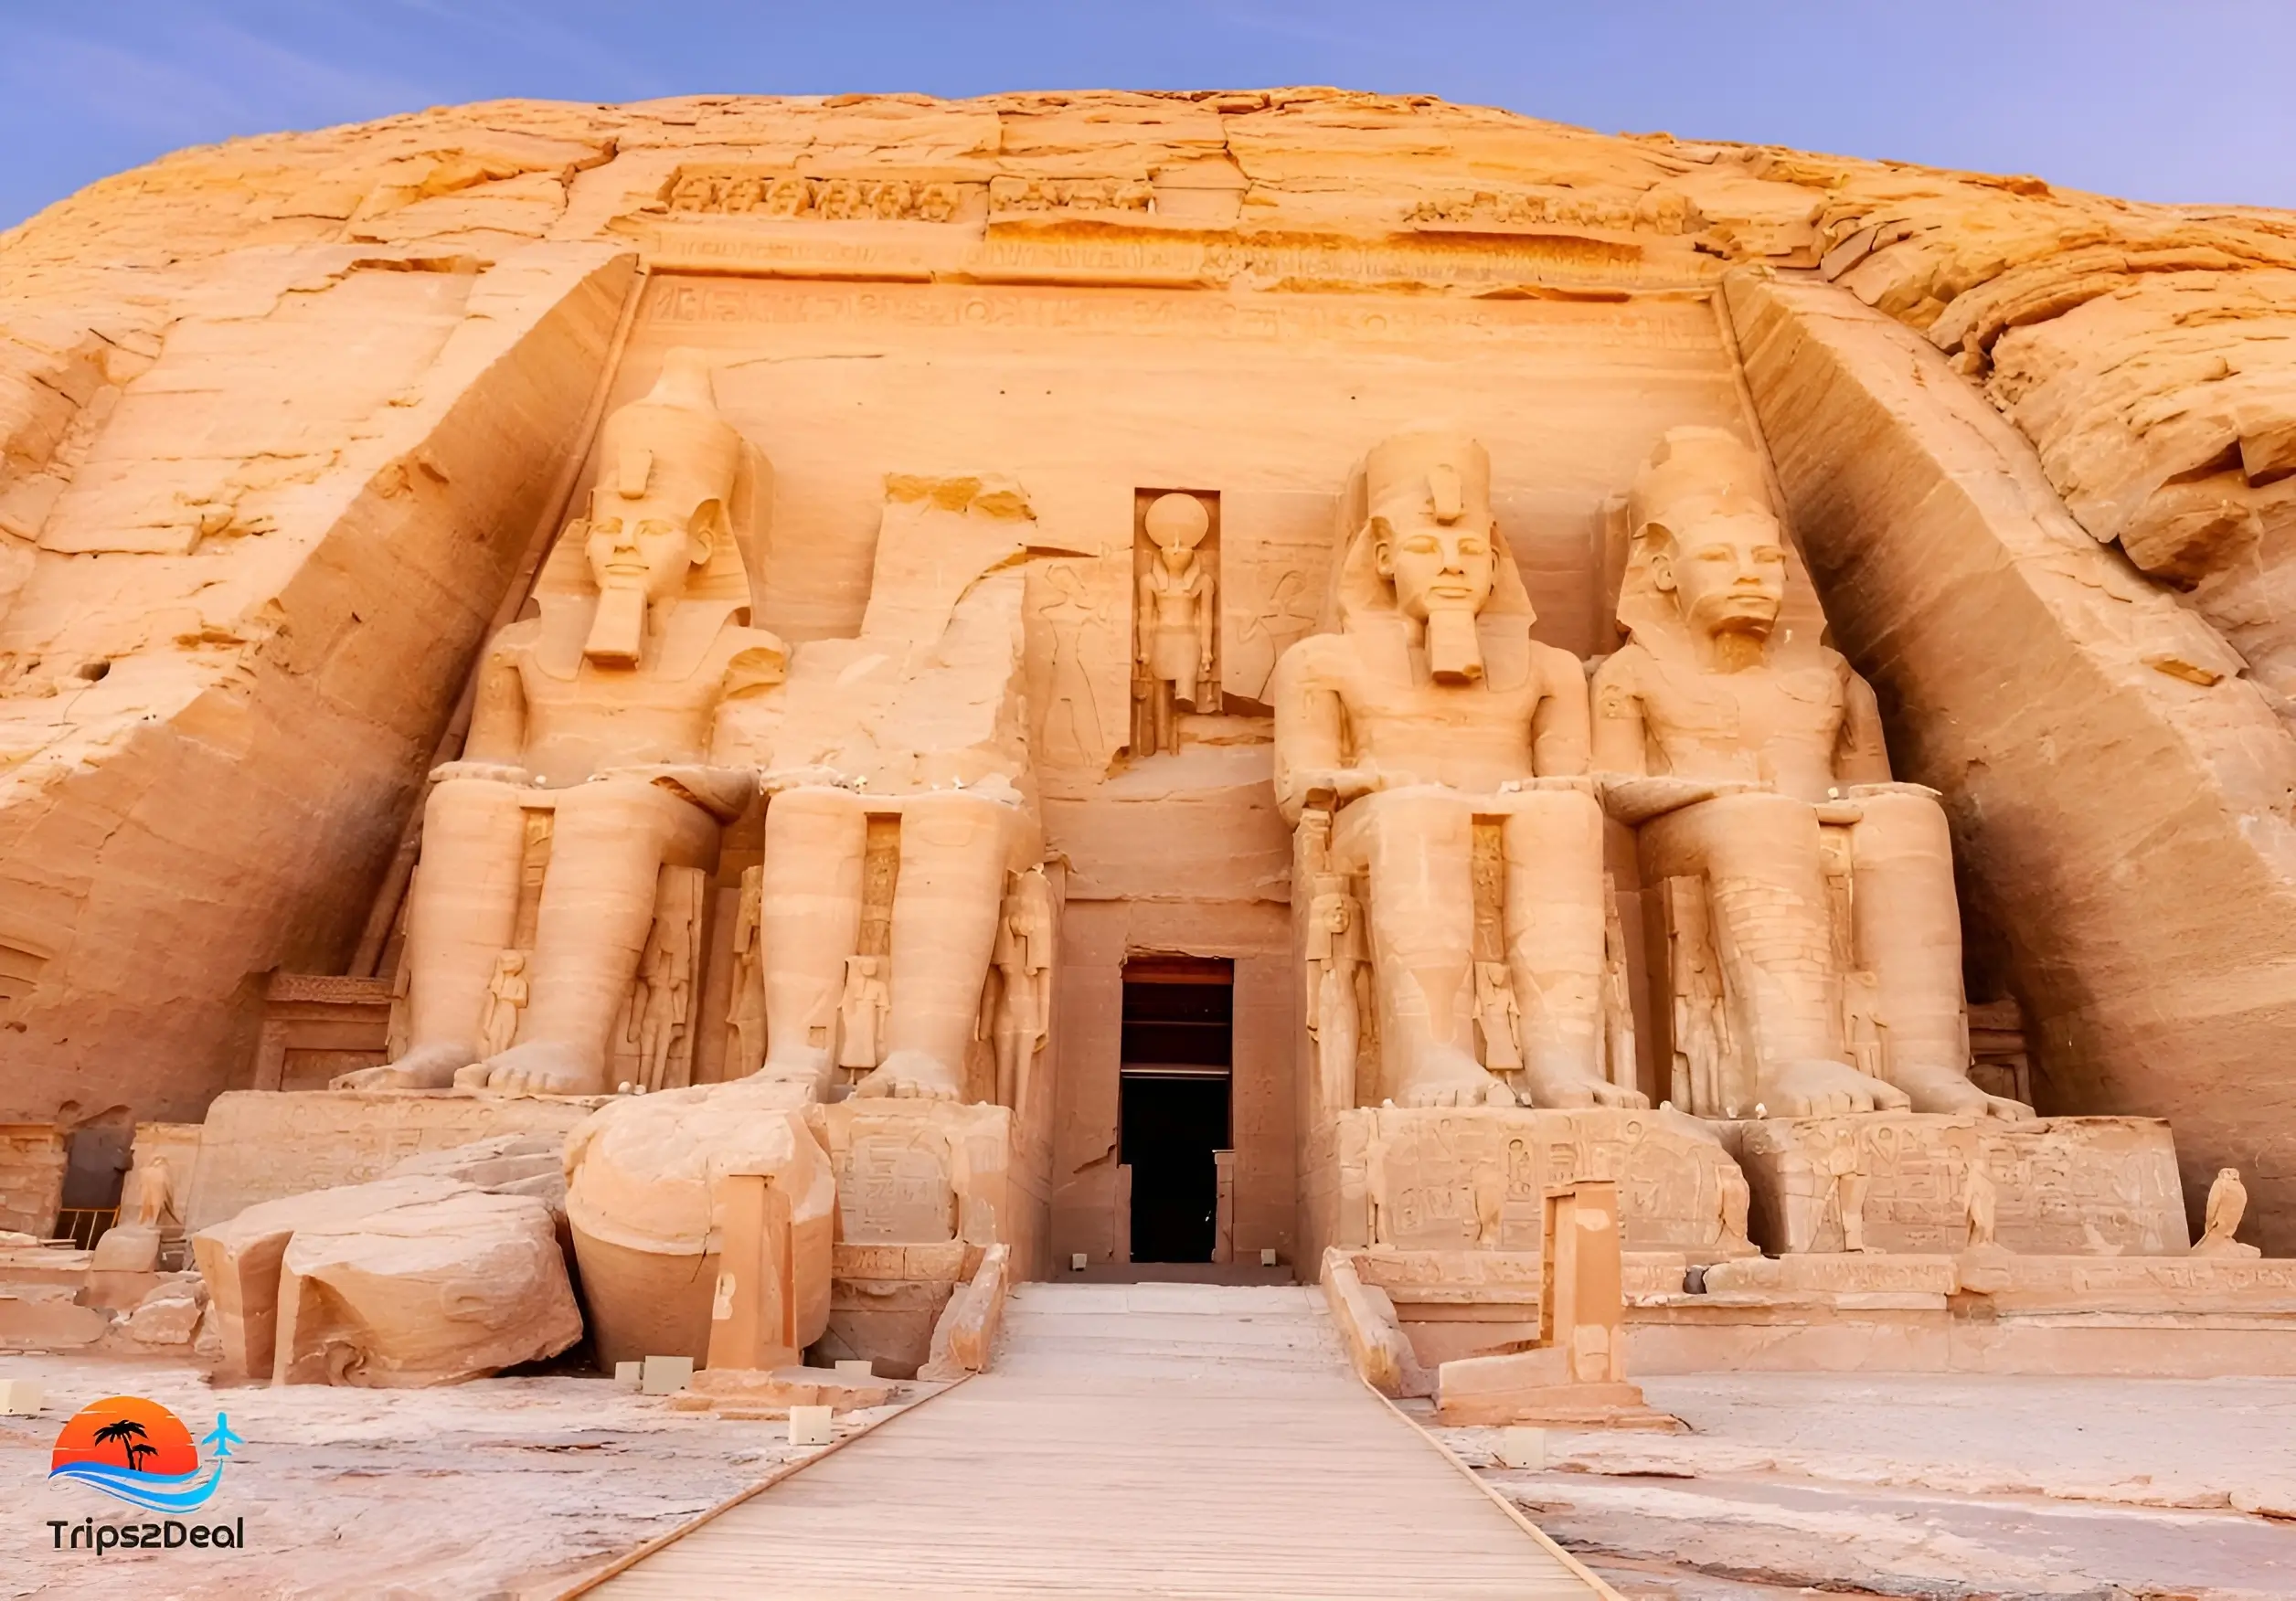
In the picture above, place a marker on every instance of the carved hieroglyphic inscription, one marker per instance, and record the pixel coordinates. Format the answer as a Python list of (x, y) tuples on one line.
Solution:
[(894, 1186), (259, 1145), (1658, 211), (2063, 1186), (1013, 194), (747, 191), (1274, 570), (1443, 1179), (1074, 632)]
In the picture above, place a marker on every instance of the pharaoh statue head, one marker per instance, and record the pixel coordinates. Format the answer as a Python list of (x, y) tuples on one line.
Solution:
[(670, 470), (1177, 523), (1703, 527), (1434, 540)]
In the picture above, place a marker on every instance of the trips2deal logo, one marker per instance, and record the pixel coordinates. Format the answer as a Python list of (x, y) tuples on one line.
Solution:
[(137, 1451)]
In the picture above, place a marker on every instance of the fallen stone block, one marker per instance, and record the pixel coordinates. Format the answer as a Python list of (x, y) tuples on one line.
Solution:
[(430, 1293), (507, 1164), (169, 1315), (791, 1386), (646, 1203), (240, 1259), (967, 1328)]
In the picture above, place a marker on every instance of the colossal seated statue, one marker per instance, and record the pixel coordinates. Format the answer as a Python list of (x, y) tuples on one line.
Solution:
[(1445, 751), (598, 719), (1814, 932), (900, 824)]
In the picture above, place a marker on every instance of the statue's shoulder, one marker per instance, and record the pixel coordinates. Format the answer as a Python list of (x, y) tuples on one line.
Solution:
[(1559, 667), (1323, 659), (752, 658), (1838, 668), (512, 643), (1625, 668)]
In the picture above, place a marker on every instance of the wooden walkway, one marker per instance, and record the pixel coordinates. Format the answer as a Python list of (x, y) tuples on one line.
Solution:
[(1160, 1440)]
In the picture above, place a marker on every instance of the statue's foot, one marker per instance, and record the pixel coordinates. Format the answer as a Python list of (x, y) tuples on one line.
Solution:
[(1443, 1075), (1949, 1092), (808, 1076), (535, 1067), (912, 1076), (1568, 1089), (424, 1068), (1827, 1089)]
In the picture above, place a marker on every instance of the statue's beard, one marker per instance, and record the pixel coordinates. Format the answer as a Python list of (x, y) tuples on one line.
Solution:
[(1454, 647), (617, 632)]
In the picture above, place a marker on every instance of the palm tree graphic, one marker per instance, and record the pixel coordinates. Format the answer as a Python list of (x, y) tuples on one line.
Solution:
[(125, 1434)]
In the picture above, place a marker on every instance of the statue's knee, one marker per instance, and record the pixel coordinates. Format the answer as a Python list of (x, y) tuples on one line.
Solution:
[(453, 800), (1902, 822), (813, 814)]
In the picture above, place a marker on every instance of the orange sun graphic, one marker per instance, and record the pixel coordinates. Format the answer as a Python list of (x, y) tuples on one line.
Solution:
[(127, 1431)]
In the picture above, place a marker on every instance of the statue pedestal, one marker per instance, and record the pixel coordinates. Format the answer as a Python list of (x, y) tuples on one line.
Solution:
[(1439, 1179), (261, 1145), (924, 1188), (2063, 1186)]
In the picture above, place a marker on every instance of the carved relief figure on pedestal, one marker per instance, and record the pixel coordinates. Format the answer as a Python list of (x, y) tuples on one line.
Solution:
[(602, 710), (1175, 621), (1438, 732), (1732, 740)]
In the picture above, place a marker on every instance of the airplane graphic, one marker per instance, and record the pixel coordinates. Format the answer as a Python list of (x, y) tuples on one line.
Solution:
[(221, 1438)]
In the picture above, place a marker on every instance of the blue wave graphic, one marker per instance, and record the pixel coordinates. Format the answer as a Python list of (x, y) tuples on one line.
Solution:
[(150, 1492)]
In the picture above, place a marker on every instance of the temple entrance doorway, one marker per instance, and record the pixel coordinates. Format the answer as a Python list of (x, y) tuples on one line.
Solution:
[(1177, 1072)]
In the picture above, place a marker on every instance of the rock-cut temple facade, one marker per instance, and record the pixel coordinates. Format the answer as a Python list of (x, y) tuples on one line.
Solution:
[(806, 707)]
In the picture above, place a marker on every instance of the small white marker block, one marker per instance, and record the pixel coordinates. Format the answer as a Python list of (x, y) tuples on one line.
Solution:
[(1267, 1256), (860, 1367), (20, 1398), (809, 1426), (629, 1374), (1523, 1447), (1076, 1262), (665, 1375)]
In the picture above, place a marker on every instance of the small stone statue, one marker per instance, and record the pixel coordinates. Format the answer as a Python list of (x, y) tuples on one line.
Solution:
[(2228, 1201), (1337, 982), (155, 1189), (1496, 1012), (505, 998), (745, 1009), (862, 1012), (1023, 958), (1176, 616)]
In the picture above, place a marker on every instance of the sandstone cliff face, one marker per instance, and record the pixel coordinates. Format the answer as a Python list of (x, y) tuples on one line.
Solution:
[(280, 418)]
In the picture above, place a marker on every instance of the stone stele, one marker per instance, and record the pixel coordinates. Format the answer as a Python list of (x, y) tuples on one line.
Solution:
[(806, 660)]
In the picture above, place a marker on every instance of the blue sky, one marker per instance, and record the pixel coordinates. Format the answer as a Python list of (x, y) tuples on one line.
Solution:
[(2162, 100)]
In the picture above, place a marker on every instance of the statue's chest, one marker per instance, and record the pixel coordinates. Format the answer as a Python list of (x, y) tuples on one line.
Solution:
[(1430, 713), (1753, 710), (602, 692)]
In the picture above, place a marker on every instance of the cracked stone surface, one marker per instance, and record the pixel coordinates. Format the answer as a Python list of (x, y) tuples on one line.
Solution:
[(1929, 1486)]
